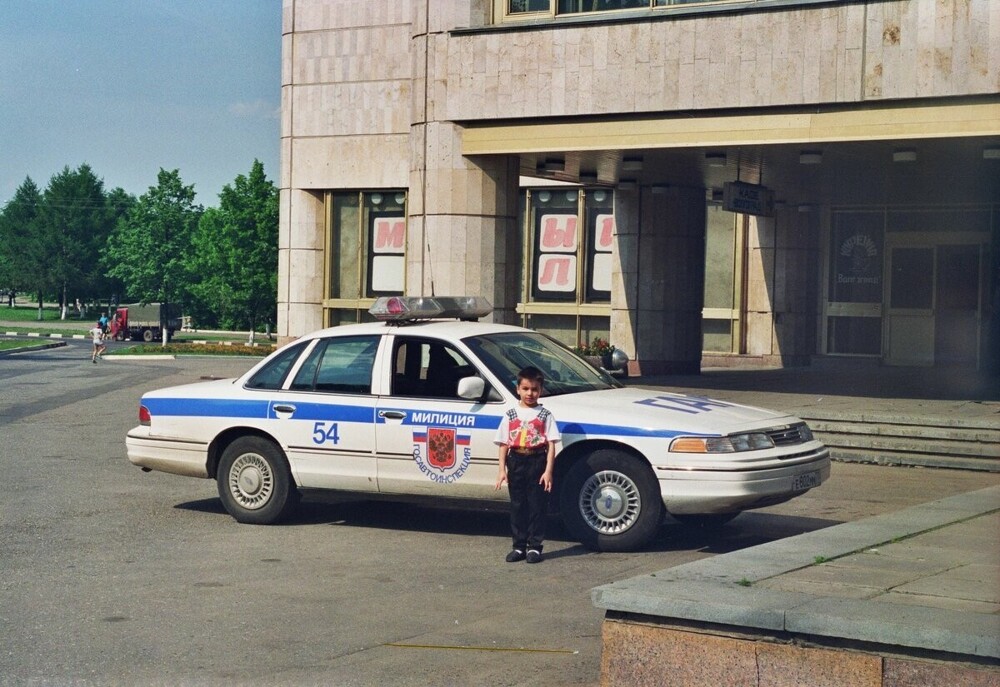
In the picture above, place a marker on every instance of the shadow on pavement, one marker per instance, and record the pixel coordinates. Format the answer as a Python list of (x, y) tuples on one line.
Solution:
[(748, 529)]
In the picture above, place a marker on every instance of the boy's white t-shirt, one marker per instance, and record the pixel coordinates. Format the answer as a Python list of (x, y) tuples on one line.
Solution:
[(526, 415), (97, 334)]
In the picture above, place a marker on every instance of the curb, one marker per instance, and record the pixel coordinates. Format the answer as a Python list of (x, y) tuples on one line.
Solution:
[(34, 347)]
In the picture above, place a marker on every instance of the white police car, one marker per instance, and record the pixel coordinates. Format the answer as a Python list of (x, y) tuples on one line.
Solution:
[(410, 406)]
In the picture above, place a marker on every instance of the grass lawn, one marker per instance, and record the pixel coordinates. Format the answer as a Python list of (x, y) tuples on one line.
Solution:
[(29, 313), (10, 345)]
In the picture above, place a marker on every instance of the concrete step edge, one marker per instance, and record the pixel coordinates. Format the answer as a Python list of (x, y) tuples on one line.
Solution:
[(939, 431), (908, 445), (915, 460), (988, 422)]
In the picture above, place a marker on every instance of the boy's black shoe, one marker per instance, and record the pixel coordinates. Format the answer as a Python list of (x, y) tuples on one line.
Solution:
[(534, 556), (514, 556)]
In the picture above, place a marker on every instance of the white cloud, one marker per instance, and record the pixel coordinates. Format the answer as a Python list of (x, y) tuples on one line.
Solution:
[(257, 109)]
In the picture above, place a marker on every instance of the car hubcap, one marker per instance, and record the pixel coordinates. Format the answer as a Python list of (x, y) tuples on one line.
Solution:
[(609, 502), (251, 481)]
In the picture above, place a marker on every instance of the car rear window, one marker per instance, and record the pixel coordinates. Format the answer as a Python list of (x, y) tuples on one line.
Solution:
[(272, 374)]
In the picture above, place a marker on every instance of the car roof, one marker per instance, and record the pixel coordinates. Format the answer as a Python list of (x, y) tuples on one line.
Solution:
[(445, 329)]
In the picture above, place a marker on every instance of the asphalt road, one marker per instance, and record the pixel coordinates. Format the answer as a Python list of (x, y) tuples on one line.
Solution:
[(112, 576)]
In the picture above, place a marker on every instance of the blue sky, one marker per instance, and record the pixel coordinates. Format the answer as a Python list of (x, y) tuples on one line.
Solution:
[(130, 86)]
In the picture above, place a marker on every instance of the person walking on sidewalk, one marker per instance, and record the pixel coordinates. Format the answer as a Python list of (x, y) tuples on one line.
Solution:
[(527, 438), (97, 334)]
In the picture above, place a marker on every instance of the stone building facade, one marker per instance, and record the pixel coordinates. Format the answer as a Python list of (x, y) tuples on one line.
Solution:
[(761, 182)]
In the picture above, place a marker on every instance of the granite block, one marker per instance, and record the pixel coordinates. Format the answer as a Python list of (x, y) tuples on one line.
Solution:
[(782, 665), (638, 655), (907, 673)]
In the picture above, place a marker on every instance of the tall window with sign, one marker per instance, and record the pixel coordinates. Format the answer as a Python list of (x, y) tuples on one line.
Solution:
[(569, 240), (366, 251), (854, 292)]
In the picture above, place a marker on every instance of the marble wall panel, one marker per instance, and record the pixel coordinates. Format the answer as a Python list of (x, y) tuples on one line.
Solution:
[(302, 263), (321, 15), (349, 162), (306, 220), (351, 109)]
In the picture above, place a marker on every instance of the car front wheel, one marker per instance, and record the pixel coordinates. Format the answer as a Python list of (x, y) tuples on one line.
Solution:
[(254, 481), (611, 501)]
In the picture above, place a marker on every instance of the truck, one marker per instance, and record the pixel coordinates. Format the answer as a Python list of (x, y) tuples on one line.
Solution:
[(142, 322)]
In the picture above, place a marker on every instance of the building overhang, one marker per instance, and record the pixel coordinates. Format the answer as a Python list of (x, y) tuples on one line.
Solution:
[(638, 132)]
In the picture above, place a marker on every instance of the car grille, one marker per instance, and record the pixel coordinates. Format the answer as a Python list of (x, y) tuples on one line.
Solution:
[(788, 436)]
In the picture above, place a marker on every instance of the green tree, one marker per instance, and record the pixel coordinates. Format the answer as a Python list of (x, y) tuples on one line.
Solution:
[(149, 250), (236, 253), (72, 228), (17, 227), (120, 203)]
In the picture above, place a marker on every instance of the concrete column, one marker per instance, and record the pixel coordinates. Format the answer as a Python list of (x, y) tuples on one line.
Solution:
[(462, 237), (300, 252), (659, 283), (462, 224), (782, 253)]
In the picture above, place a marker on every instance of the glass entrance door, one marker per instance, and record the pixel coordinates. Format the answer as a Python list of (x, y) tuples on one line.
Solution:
[(910, 323), (956, 311), (934, 305)]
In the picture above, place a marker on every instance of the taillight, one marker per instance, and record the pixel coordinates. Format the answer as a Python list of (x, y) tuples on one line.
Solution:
[(144, 416)]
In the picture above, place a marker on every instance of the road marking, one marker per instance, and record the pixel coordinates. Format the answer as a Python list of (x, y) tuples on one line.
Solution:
[(482, 648)]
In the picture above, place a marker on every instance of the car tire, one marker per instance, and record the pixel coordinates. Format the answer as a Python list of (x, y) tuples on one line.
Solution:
[(708, 522), (147, 335), (610, 501), (254, 481)]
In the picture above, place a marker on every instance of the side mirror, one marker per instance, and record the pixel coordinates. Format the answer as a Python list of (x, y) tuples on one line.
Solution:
[(471, 388)]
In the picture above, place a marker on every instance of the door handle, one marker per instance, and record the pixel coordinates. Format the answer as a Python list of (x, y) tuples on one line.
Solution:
[(391, 414), (284, 408)]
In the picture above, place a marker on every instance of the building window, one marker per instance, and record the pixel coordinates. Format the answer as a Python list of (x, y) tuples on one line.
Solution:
[(569, 240), (366, 251), (532, 9)]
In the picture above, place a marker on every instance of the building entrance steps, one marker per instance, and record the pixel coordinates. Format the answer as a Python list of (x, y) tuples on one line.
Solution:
[(932, 417)]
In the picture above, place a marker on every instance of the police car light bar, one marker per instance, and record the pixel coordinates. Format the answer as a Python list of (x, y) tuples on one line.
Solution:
[(409, 308)]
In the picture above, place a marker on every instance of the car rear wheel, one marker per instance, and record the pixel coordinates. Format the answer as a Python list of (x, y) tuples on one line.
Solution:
[(254, 481), (610, 501)]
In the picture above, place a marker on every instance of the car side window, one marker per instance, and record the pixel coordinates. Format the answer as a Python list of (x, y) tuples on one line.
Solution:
[(272, 375), (427, 368), (340, 365)]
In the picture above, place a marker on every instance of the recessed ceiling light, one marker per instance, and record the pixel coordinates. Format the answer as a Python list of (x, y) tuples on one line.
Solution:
[(715, 159), (632, 164)]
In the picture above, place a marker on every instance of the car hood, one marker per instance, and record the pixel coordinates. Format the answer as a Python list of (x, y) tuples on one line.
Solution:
[(656, 412)]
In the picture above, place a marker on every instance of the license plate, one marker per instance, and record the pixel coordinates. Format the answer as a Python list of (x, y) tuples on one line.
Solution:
[(805, 481)]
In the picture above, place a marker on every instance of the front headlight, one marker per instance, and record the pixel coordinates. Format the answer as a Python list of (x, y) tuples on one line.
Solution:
[(752, 441)]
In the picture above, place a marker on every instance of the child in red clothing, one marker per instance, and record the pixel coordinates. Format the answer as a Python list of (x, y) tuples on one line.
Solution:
[(527, 438)]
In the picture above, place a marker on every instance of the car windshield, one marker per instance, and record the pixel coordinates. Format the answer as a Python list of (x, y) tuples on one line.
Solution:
[(565, 372)]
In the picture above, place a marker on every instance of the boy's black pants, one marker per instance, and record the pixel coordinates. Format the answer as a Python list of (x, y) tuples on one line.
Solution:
[(528, 499)]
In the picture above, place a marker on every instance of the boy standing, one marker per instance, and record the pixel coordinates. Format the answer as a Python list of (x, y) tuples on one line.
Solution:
[(527, 438)]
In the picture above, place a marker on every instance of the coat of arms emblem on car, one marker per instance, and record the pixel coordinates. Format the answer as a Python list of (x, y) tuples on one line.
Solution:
[(441, 453)]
